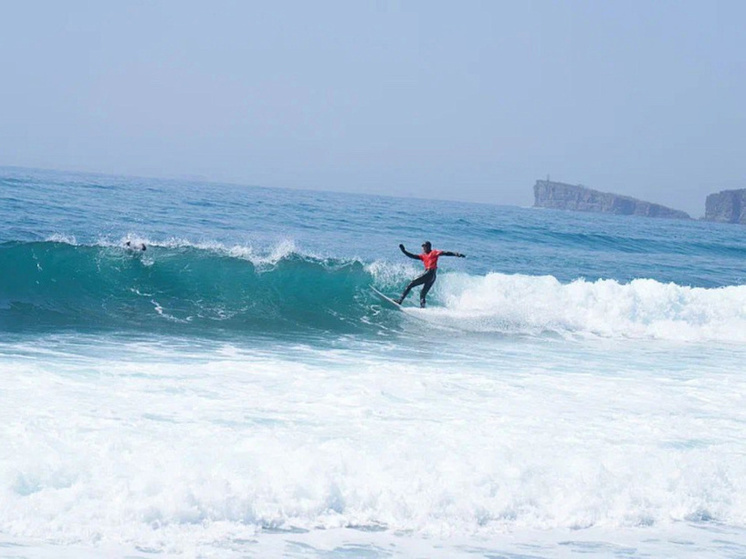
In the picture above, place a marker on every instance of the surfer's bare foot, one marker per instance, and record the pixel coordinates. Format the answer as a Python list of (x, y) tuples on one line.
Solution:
[(398, 301)]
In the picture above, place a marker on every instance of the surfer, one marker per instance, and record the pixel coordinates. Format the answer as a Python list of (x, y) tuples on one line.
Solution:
[(429, 257)]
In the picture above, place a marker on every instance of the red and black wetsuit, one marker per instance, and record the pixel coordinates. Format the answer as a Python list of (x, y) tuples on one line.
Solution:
[(426, 280)]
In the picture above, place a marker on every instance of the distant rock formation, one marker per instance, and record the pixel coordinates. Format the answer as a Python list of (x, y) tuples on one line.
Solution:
[(563, 196), (728, 206)]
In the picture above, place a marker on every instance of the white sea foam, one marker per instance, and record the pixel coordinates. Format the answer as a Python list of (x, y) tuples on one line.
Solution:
[(164, 449), (60, 238), (643, 308), (258, 256)]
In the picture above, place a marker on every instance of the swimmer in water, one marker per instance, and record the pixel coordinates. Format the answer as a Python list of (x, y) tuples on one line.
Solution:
[(136, 246)]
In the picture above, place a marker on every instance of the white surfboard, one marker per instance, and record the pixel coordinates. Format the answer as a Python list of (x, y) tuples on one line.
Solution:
[(387, 299)]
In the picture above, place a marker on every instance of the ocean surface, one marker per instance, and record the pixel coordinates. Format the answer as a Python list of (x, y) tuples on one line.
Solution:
[(575, 388)]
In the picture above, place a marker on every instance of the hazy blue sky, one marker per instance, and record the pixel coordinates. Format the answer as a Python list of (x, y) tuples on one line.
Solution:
[(459, 100)]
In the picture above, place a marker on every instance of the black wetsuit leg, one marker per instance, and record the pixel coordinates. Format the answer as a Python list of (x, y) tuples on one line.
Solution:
[(426, 287), (426, 280)]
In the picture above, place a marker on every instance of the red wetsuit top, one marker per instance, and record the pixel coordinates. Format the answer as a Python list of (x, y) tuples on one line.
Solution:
[(431, 259)]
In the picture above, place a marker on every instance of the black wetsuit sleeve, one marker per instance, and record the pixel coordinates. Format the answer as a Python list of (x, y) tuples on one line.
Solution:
[(449, 253), (406, 252)]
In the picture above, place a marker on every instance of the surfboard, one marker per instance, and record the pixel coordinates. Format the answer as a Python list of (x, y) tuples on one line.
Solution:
[(387, 299)]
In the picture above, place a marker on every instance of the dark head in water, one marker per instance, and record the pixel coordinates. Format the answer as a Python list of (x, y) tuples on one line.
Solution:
[(138, 246)]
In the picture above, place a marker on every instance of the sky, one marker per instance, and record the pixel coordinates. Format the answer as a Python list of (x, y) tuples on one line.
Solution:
[(464, 100)]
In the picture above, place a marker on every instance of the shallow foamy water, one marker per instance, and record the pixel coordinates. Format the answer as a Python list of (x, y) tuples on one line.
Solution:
[(488, 449)]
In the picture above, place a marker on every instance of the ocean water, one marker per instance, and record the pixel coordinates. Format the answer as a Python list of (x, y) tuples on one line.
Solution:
[(575, 387)]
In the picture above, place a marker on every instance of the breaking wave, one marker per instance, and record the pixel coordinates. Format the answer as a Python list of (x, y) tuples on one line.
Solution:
[(201, 287)]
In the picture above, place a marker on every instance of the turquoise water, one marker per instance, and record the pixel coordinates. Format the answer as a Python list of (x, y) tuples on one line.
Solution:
[(236, 389)]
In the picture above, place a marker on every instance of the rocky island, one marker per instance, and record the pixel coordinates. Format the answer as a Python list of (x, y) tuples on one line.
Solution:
[(561, 196), (728, 206)]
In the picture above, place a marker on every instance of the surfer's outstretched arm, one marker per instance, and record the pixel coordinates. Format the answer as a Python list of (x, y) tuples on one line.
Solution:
[(405, 251), (449, 253)]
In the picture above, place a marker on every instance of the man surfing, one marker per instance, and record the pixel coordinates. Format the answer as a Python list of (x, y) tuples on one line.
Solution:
[(429, 258)]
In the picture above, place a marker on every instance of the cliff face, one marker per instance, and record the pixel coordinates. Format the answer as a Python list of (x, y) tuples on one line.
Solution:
[(728, 206), (563, 196)]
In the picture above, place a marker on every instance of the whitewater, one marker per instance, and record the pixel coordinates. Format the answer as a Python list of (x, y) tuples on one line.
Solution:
[(236, 390)]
